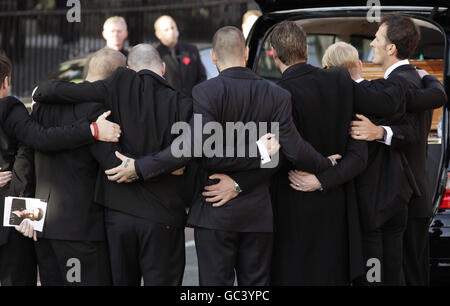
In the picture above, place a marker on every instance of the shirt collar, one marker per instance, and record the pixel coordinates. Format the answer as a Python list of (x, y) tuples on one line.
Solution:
[(359, 80), (393, 67)]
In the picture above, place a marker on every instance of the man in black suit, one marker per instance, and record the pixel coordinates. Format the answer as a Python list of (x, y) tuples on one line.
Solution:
[(17, 130), (74, 226), (395, 41), (184, 68), (19, 212), (144, 220)]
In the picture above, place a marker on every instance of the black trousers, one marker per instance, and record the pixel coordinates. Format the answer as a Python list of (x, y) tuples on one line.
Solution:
[(18, 266), (222, 254), (416, 255), (142, 249), (386, 245), (73, 263)]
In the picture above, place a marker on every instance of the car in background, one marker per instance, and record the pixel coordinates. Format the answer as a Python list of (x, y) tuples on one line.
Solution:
[(326, 22)]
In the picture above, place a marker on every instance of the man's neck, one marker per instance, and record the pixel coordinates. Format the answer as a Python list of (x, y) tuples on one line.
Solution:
[(393, 66), (284, 67), (115, 47), (389, 62), (226, 66)]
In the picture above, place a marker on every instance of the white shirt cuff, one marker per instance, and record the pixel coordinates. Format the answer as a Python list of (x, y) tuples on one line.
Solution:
[(389, 135), (265, 158)]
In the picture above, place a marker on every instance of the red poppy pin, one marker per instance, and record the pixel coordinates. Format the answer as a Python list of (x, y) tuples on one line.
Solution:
[(186, 60)]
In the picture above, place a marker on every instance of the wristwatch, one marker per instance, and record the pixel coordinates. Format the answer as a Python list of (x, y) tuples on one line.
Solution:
[(237, 188)]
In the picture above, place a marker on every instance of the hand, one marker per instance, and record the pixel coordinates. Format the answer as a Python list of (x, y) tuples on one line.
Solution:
[(222, 192), (334, 159), (271, 143), (422, 73), (27, 229), (125, 172), (107, 130), (365, 129), (303, 181), (179, 171), (5, 178)]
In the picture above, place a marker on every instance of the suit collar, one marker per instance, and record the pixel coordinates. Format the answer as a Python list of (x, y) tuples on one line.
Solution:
[(394, 67), (240, 73), (297, 70), (155, 76)]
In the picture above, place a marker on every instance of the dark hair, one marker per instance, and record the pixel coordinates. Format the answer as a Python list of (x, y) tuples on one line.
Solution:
[(5, 67), (40, 214), (289, 40), (403, 33)]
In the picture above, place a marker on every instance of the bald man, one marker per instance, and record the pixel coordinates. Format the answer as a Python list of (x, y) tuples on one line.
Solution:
[(184, 69), (74, 225)]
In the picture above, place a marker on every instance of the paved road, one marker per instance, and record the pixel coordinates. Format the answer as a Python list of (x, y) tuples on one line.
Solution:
[(191, 269)]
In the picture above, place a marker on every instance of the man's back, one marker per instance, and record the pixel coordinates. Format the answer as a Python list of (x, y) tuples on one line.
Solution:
[(146, 107), (238, 95), (67, 179), (322, 105)]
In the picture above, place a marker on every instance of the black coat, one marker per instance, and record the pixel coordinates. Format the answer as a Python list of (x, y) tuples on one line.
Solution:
[(317, 233), (146, 107), (66, 180), (18, 131), (415, 148), (184, 72), (398, 181)]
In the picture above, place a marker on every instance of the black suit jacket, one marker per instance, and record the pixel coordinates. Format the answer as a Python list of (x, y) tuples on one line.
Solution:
[(66, 180), (414, 143), (19, 132), (185, 70), (146, 107), (388, 183)]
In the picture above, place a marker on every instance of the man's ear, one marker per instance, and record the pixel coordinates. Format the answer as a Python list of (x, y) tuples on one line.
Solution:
[(392, 50), (274, 53), (246, 53), (5, 83), (163, 69), (104, 36), (213, 56), (126, 35), (157, 35)]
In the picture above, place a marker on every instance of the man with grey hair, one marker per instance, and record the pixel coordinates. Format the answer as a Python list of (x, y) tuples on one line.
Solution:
[(144, 220)]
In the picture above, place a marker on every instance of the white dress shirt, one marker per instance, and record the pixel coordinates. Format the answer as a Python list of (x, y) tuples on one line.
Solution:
[(389, 132)]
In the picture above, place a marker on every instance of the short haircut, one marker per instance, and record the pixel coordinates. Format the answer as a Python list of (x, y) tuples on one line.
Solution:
[(250, 13), (115, 19), (229, 44), (340, 54), (105, 62), (40, 214), (144, 56), (160, 18), (289, 40), (403, 33), (5, 67)]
